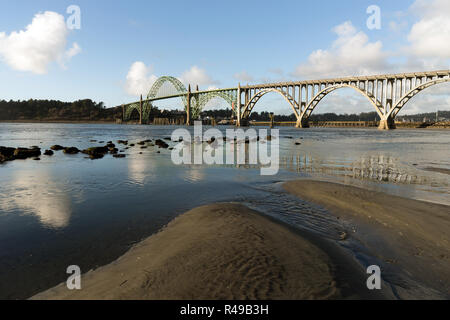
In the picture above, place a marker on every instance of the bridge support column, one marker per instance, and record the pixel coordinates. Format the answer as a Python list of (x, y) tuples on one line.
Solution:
[(302, 123), (188, 107), (140, 111), (387, 124), (244, 123), (238, 113)]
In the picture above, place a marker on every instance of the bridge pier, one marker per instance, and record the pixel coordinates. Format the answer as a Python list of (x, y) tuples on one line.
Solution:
[(244, 123), (140, 111), (188, 107), (387, 124), (302, 123)]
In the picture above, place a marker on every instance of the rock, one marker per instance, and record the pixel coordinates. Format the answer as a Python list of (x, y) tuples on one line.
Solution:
[(343, 235), (24, 153), (57, 147), (168, 139), (297, 143), (96, 152), (110, 145), (71, 150), (96, 156), (35, 147), (170, 149), (101, 142), (113, 150), (6, 154), (212, 140), (141, 143), (148, 141), (37, 159), (119, 156), (48, 153), (161, 144), (132, 145), (93, 140), (125, 142)]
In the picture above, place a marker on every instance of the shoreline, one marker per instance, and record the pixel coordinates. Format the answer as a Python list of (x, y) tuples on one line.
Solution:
[(225, 251), (256, 125), (409, 237), (61, 121)]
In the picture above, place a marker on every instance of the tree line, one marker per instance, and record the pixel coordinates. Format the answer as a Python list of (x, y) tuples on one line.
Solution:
[(88, 110), (57, 110)]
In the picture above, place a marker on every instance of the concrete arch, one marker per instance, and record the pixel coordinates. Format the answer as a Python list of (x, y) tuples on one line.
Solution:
[(251, 104), (306, 113), (412, 93)]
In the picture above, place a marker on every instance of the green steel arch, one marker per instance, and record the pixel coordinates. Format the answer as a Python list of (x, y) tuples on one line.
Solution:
[(179, 87), (130, 108), (228, 96), (153, 93), (198, 100)]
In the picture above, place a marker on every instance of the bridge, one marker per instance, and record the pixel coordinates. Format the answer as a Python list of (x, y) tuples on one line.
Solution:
[(388, 94)]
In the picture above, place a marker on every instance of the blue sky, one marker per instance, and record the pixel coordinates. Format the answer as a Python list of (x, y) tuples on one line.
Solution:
[(218, 44)]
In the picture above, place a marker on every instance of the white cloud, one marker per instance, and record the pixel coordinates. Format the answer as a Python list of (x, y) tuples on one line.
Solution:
[(243, 76), (41, 43), (430, 36), (196, 76), (350, 54), (73, 51), (139, 80)]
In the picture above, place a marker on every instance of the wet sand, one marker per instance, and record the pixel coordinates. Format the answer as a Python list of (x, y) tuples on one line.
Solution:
[(438, 170), (224, 251), (411, 237)]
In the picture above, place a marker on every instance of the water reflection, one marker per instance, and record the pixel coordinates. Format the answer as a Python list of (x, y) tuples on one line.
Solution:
[(38, 194), (379, 167), (137, 169)]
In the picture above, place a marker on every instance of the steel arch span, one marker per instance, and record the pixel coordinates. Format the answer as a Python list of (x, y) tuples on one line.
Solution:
[(412, 93), (129, 110), (229, 97), (254, 100), (179, 87)]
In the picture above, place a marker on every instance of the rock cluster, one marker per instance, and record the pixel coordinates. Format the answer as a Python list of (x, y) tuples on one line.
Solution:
[(10, 154)]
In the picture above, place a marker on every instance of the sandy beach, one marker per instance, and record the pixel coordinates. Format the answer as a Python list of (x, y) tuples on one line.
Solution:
[(228, 251), (221, 251), (409, 236)]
